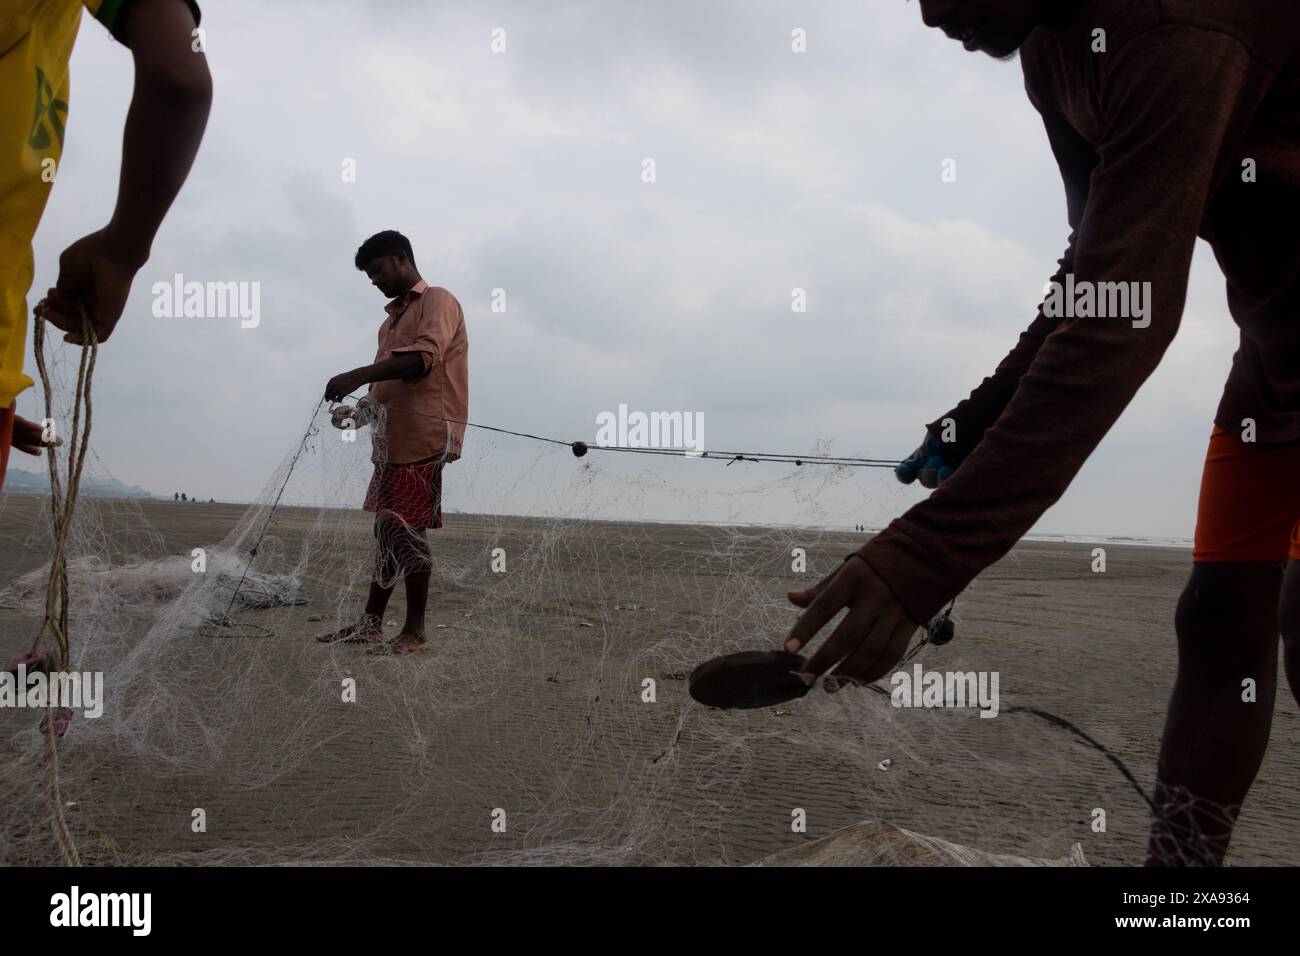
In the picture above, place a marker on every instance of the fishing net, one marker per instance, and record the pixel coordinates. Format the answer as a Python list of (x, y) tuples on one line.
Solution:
[(548, 720)]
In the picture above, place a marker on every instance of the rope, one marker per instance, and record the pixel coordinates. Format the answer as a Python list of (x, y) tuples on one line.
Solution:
[(1060, 722), (580, 448), (62, 506), (1092, 742)]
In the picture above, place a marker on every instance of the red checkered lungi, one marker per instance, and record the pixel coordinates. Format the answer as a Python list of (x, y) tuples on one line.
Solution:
[(410, 493)]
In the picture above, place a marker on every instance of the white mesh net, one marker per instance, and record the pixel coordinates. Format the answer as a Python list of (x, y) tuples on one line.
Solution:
[(527, 731)]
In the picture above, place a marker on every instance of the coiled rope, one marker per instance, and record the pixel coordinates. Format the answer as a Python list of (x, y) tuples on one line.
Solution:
[(63, 503)]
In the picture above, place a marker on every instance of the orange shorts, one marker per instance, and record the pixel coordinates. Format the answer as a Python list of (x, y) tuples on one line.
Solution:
[(6, 439), (1250, 502)]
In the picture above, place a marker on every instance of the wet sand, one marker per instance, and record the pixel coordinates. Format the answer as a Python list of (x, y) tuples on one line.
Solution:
[(1095, 648)]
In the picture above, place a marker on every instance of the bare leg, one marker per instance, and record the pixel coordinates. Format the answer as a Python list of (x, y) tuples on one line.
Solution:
[(413, 557), (370, 628), (417, 599), (390, 558), (377, 602), (1214, 741), (1289, 618)]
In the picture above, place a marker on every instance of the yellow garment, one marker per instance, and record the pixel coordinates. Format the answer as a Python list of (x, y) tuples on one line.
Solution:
[(36, 38)]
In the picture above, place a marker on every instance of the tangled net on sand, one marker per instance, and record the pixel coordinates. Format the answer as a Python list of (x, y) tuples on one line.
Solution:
[(548, 722), (156, 583)]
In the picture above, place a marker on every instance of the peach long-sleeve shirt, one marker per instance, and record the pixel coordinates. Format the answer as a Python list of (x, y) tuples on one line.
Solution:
[(427, 320)]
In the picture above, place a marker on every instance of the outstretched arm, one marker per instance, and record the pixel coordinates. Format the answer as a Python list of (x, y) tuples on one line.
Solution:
[(951, 437), (164, 127), (1178, 101)]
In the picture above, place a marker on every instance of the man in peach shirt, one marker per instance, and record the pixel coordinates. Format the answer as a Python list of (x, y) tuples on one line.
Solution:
[(418, 402)]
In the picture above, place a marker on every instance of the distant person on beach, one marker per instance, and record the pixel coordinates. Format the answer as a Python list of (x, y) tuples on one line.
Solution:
[(1169, 121), (420, 381), (169, 110)]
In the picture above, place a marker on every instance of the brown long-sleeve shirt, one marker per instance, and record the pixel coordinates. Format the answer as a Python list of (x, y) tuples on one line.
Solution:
[(1187, 125)]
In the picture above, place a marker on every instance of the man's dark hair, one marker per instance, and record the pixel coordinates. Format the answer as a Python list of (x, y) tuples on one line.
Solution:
[(383, 244)]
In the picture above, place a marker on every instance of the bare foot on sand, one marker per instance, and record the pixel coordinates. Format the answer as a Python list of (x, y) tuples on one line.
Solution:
[(368, 630), (406, 643)]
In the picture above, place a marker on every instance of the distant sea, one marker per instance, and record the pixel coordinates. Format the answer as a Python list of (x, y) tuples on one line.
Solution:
[(21, 482), (1139, 540)]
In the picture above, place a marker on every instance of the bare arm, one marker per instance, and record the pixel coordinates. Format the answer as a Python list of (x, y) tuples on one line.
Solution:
[(165, 124), (401, 365), (169, 111)]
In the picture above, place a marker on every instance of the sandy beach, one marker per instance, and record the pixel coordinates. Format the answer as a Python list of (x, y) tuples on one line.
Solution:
[(532, 702)]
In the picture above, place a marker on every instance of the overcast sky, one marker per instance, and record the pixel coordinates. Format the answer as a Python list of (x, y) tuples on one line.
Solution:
[(522, 170)]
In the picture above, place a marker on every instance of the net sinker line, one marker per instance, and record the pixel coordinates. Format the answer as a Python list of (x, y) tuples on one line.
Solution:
[(581, 448)]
